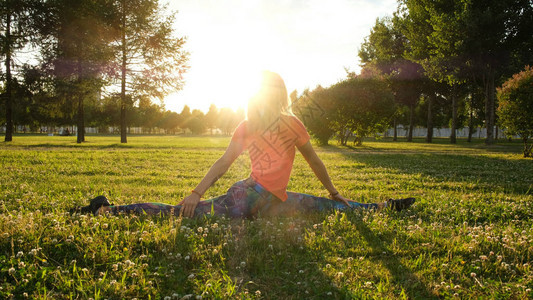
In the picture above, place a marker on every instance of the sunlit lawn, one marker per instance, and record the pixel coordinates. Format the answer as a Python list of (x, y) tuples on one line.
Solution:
[(469, 235)]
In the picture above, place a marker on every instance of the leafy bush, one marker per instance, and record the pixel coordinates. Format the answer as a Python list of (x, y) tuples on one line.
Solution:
[(364, 106), (360, 106), (315, 109), (516, 106)]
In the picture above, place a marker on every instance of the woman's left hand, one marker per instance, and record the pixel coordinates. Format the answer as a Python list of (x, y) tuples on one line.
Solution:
[(340, 198), (189, 204)]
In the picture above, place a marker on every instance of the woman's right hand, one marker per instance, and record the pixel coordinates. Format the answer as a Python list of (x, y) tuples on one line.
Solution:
[(188, 205), (340, 198)]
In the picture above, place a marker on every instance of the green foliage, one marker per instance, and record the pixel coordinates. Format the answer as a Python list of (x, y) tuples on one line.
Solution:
[(18, 27), (196, 123), (468, 235), (103, 113), (92, 48), (363, 106), (516, 106), (74, 44), (360, 106), (211, 117), (385, 49), (474, 42), (170, 121), (316, 110), (228, 120), (151, 59)]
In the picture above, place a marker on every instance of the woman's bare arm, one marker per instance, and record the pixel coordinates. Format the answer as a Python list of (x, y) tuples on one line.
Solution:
[(320, 171), (216, 171)]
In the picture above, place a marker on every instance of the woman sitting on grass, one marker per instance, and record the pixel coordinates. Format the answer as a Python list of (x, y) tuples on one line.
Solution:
[(270, 134)]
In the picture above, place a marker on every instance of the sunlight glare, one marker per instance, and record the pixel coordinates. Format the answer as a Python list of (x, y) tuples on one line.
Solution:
[(238, 86), (307, 42)]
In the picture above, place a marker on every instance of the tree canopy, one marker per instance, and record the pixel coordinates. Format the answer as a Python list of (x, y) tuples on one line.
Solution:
[(89, 49), (516, 106), (357, 105), (150, 58)]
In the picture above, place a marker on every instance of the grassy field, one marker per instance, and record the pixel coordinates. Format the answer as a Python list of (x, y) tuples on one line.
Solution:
[(469, 235)]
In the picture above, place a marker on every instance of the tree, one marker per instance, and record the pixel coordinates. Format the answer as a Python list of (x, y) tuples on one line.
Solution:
[(170, 121), (406, 83), (516, 107), (474, 105), (359, 105), (73, 39), (384, 49), (416, 33), (150, 114), (316, 110), (40, 100), (151, 59), (17, 27), (471, 40), (103, 113), (363, 106), (499, 37), (229, 119), (35, 105), (211, 118), (197, 122), (441, 59), (185, 117)]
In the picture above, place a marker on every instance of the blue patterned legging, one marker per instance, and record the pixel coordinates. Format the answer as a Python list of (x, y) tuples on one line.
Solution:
[(243, 201)]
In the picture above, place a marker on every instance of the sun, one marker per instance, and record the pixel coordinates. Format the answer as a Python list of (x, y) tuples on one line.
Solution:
[(236, 87), (226, 70), (219, 84)]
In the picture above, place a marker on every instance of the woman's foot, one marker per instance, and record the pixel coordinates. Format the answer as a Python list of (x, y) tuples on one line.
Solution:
[(399, 204), (94, 205)]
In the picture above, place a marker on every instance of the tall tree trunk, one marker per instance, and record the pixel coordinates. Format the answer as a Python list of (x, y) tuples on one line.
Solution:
[(471, 120), (395, 138), (123, 124), (453, 138), (9, 96), (429, 136), (411, 122), (528, 149), (344, 136), (81, 119), (489, 106)]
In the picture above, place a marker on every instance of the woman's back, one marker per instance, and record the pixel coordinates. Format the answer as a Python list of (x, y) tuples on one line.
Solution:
[(272, 151)]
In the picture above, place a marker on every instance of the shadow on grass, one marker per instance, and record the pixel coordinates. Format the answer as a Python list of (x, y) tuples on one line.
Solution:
[(299, 271), (412, 285), (278, 263), (478, 172), (438, 144)]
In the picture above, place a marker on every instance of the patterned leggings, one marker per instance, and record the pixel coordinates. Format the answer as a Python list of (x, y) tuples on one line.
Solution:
[(243, 201)]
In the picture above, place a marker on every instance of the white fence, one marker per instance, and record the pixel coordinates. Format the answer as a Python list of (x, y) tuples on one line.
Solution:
[(51, 130), (479, 132)]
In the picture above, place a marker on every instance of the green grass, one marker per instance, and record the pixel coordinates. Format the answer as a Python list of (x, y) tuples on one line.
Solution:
[(469, 235)]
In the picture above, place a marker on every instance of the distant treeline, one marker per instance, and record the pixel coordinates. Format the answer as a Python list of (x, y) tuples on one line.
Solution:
[(151, 118)]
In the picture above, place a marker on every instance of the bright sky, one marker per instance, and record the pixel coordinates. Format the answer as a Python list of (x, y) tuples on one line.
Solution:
[(308, 42)]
